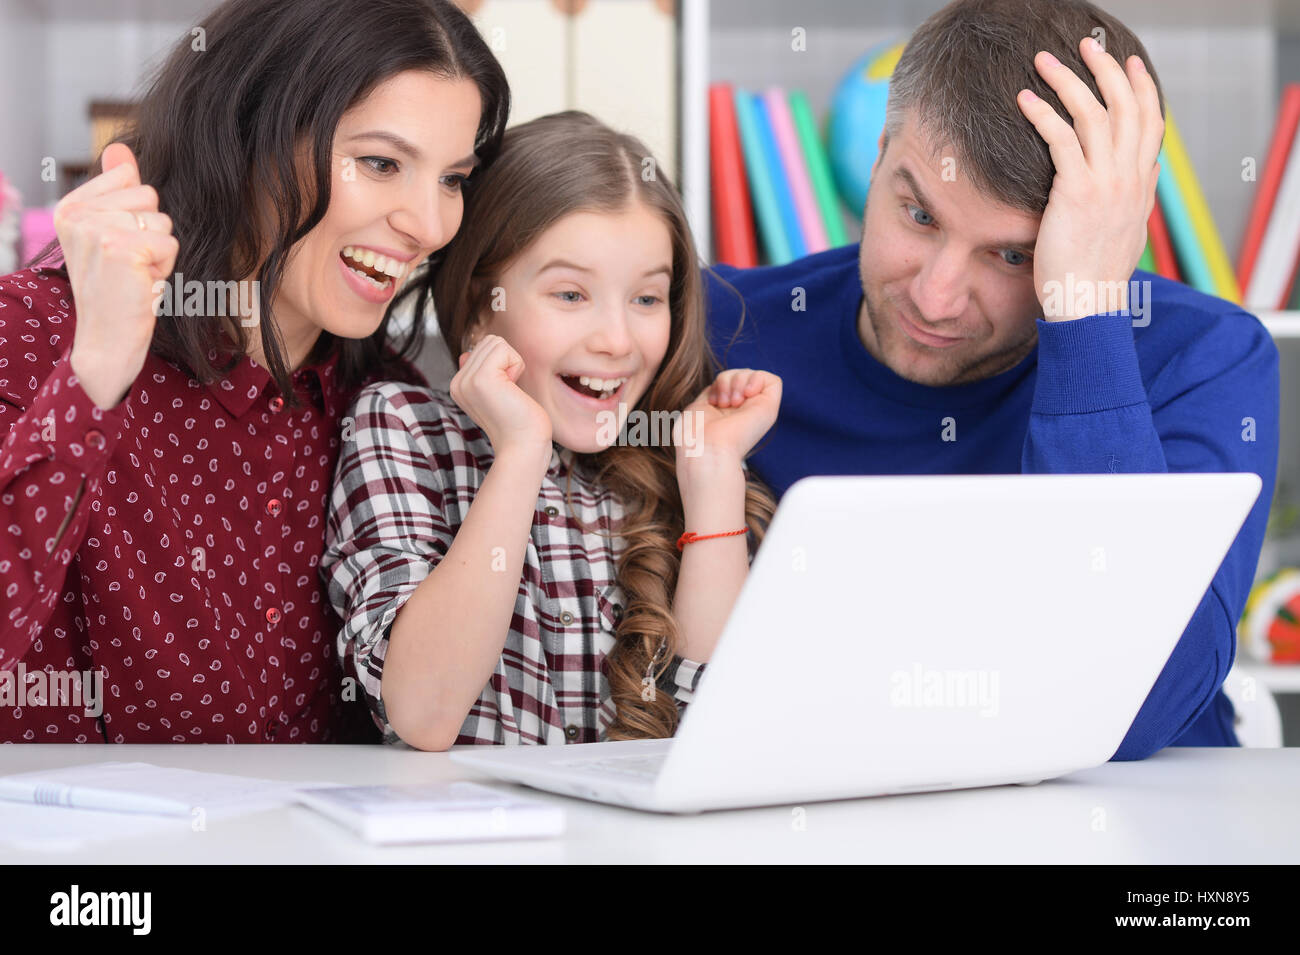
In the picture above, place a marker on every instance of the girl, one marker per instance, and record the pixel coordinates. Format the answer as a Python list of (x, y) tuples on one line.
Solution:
[(170, 395), (514, 559)]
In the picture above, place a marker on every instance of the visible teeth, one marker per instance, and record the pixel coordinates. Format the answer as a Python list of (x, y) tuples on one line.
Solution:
[(380, 263), (606, 386), (375, 282)]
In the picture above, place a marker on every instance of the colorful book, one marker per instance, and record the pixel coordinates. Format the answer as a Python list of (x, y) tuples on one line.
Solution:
[(766, 208), (1223, 281), (1182, 236), (1272, 275), (796, 171), (780, 186), (733, 215), (1148, 261), (819, 168), (1284, 132), (1162, 247)]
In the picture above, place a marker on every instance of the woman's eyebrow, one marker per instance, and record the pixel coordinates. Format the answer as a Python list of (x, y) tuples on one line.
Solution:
[(405, 146)]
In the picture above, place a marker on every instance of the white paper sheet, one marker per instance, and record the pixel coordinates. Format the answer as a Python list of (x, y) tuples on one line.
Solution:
[(54, 829), (213, 796)]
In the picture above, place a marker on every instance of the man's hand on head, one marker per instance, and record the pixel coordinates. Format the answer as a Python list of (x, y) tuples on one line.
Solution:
[(1094, 228)]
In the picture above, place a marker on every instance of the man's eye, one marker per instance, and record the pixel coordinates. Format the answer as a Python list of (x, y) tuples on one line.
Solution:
[(929, 218), (379, 164), (1021, 260)]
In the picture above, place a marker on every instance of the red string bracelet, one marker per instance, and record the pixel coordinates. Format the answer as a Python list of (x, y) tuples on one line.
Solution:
[(690, 537)]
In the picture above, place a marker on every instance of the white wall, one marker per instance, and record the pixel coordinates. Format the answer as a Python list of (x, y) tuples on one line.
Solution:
[(97, 60), (58, 55), (21, 76)]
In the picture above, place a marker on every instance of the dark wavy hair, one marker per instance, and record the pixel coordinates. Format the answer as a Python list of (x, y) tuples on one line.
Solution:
[(218, 128)]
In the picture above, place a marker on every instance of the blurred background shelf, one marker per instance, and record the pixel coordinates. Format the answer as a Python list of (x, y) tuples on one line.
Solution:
[(1281, 324), (1278, 677)]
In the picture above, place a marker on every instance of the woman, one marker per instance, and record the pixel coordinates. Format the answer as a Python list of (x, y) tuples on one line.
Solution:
[(162, 475)]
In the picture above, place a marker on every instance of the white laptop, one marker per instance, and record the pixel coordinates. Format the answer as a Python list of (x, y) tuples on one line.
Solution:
[(905, 634)]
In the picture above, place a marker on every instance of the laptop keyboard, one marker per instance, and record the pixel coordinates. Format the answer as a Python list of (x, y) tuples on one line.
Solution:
[(638, 766)]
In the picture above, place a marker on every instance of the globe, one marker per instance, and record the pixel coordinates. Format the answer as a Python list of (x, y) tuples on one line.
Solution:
[(857, 117)]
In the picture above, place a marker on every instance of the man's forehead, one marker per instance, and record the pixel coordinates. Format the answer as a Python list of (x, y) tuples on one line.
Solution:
[(924, 138), (926, 164)]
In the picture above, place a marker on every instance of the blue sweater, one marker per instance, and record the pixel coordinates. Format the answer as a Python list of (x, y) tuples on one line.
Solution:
[(1096, 395)]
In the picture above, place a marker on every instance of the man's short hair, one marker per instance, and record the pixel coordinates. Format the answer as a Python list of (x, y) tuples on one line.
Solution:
[(962, 69)]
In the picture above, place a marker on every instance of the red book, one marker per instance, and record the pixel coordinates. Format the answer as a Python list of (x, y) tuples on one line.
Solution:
[(1161, 248), (733, 218), (1284, 131)]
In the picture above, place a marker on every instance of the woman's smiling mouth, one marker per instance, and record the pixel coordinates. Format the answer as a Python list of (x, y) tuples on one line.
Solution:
[(373, 276)]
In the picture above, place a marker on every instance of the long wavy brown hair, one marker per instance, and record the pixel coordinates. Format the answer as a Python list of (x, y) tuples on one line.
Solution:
[(547, 169)]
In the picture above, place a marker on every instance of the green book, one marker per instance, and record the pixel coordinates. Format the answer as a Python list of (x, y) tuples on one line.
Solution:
[(819, 169), (1148, 261)]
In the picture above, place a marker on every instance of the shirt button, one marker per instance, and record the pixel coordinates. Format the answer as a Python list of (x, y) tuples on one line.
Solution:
[(273, 507), (95, 439), (566, 617), (571, 731), (277, 403), (273, 615), (552, 511)]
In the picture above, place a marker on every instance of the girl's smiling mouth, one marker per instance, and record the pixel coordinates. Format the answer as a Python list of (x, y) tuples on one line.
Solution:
[(596, 392)]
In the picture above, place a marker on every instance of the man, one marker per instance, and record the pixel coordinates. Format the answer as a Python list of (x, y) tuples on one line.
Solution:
[(986, 322)]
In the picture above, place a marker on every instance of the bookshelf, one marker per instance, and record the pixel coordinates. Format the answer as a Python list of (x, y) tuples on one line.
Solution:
[(1280, 678), (1281, 324)]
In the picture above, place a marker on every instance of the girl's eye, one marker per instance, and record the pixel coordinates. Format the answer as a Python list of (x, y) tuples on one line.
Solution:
[(577, 296), (455, 182), (1024, 259), (379, 164), (649, 301), (910, 209)]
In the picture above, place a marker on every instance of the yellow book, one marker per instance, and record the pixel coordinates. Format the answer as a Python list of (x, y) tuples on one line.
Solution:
[(1180, 167)]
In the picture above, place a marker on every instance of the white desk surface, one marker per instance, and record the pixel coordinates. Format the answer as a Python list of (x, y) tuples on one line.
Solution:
[(1180, 806)]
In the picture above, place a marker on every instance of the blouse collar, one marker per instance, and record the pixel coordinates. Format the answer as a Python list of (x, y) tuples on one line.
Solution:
[(244, 384)]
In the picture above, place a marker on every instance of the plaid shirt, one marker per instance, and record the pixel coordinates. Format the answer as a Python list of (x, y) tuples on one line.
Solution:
[(405, 481)]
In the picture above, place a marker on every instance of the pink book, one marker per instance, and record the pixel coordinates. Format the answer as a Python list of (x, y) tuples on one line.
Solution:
[(796, 172)]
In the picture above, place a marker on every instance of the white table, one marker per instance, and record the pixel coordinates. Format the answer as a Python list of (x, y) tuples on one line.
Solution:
[(1181, 806)]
